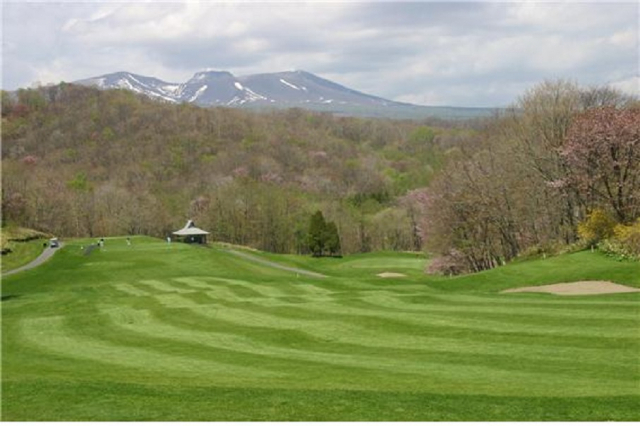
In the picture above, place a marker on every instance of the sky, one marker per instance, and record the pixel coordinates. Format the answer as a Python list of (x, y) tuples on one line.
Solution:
[(480, 54)]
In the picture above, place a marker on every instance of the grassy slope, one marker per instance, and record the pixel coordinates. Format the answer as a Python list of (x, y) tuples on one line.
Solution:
[(152, 332), (25, 245), (21, 254)]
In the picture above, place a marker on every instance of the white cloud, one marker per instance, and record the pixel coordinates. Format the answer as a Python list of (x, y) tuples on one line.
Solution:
[(472, 53), (628, 38), (630, 85)]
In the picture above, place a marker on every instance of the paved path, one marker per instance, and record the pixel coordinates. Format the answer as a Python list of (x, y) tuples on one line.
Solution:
[(44, 256), (276, 265)]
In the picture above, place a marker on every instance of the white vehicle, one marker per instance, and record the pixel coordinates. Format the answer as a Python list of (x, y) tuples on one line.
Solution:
[(53, 243)]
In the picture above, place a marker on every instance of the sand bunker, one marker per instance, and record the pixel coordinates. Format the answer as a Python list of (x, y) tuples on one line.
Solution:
[(577, 288), (391, 275)]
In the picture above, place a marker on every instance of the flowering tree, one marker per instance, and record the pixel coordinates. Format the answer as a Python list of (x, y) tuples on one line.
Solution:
[(415, 202), (602, 154)]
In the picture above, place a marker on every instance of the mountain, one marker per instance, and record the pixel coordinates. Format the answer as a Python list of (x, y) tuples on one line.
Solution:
[(216, 88), (275, 90), (149, 86)]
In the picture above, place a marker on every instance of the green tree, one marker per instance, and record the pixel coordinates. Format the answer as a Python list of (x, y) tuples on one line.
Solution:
[(7, 103), (332, 239), (317, 234)]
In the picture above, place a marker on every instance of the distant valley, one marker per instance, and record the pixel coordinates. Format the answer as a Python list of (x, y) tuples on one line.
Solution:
[(280, 90)]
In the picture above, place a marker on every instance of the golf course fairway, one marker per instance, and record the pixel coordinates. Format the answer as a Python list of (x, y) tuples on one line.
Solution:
[(173, 332)]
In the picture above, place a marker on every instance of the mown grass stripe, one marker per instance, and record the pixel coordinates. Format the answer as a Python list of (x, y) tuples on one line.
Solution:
[(218, 290), (370, 335), (245, 290), (146, 325), (174, 301), (508, 333), (428, 318), (163, 287), (630, 301), (256, 289), (49, 335), (131, 289), (449, 318), (389, 299), (525, 317), (348, 332)]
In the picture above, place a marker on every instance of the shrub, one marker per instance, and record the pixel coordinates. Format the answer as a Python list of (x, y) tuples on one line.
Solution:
[(625, 243), (597, 227), (452, 263), (551, 248)]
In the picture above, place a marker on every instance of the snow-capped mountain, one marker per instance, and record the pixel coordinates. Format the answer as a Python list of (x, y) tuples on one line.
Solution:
[(149, 86), (209, 88), (276, 90)]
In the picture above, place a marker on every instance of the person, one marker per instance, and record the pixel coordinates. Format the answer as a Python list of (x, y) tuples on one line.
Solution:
[(168, 240), (101, 242), (128, 241)]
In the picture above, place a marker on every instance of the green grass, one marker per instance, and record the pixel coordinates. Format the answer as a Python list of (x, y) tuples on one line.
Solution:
[(21, 254), (158, 332)]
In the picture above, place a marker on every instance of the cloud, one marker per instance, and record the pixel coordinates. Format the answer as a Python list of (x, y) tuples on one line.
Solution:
[(468, 54), (629, 85)]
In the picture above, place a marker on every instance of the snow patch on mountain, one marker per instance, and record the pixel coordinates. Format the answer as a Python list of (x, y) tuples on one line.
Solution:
[(100, 82), (125, 84), (253, 96), (286, 83), (169, 89), (236, 101), (198, 93), (136, 80)]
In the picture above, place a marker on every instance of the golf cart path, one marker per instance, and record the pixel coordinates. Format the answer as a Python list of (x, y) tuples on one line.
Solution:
[(44, 256), (276, 265)]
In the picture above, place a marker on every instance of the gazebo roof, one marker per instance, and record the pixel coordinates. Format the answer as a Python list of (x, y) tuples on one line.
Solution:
[(190, 229)]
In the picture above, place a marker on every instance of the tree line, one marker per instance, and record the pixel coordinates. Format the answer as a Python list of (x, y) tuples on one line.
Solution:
[(558, 169), (82, 162), (536, 176)]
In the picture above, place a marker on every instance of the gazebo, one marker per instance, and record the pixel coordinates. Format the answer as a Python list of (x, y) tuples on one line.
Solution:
[(191, 234)]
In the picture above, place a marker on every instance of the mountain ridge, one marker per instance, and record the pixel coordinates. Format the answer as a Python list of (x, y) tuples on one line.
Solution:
[(286, 89)]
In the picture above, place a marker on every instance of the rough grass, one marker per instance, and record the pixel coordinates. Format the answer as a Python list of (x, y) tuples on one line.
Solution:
[(21, 254), (22, 245), (175, 332)]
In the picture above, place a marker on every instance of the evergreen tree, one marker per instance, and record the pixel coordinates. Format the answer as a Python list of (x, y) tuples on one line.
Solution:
[(332, 239), (317, 234)]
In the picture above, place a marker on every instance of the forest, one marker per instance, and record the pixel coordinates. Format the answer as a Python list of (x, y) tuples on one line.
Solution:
[(557, 169)]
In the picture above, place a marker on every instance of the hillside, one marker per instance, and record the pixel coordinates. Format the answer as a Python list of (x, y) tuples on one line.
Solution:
[(535, 180), (79, 161), (20, 246)]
